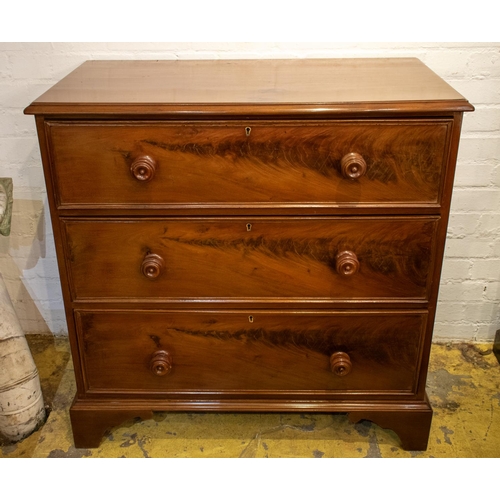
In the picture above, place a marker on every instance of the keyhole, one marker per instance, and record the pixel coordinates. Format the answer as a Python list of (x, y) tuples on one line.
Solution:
[(250, 318), (247, 131), (249, 227)]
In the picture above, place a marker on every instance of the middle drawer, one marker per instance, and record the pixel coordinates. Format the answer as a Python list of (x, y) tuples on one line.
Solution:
[(251, 258)]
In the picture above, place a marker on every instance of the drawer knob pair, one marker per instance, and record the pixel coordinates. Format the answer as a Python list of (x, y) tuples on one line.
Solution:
[(346, 264), (340, 363), (353, 166), (161, 363), (143, 168)]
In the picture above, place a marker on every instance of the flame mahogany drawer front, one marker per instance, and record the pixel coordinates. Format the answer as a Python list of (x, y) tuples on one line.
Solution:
[(367, 162), (180, 352), (250, 235), (232, 258)]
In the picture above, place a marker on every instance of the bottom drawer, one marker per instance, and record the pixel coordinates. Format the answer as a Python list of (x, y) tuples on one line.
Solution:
[(175, 352)]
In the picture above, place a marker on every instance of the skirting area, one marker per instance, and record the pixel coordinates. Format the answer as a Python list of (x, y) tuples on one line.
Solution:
[(463, 386)]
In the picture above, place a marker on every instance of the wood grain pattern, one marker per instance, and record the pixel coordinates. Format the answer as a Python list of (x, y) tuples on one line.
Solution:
[(220, 258), (275, 163), (225, 351)]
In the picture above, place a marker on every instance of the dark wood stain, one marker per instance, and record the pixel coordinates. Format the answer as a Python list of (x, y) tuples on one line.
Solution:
[(407, 256), (295, 346), (220, 164), (280, 257), (322, 341)]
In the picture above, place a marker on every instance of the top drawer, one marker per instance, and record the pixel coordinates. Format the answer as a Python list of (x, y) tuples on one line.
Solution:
[(267, 164)]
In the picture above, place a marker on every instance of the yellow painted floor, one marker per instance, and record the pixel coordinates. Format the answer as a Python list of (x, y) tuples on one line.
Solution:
[(463, 386)]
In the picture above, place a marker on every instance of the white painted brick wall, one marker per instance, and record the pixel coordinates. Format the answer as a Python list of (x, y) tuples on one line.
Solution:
[(469, 298)]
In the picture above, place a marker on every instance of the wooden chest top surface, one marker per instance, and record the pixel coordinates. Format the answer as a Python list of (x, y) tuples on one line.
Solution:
[(142, 86)]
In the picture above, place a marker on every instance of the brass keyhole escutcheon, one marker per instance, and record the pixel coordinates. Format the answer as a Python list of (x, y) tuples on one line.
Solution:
[(250, 319), (249, 227), (248, 130)]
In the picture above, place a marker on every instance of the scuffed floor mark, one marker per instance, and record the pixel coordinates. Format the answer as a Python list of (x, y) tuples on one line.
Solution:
[(446, 432), (473, 354), (250, 450), (71, 453), (130, 441), (141, 442), (491, 421), (441, 384), (307, 427), (318, 454), (253, 446), (373, 448), (363, 427)]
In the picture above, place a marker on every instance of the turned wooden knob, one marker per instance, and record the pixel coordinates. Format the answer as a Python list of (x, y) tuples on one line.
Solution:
[(143, 168), (340, 363), (152, 266), (346, 263), (161, 363), (353, 166)]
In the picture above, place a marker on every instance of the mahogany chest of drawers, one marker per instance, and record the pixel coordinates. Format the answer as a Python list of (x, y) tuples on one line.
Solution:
[(250, 235)]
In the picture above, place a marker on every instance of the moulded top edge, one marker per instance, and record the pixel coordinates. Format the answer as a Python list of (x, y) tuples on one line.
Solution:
[(231, 84), (248, 109)]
